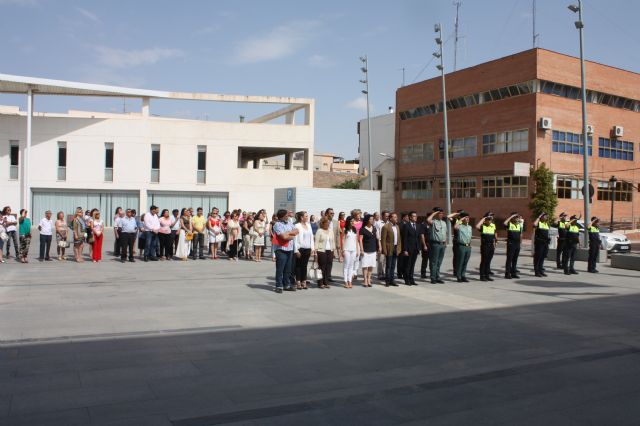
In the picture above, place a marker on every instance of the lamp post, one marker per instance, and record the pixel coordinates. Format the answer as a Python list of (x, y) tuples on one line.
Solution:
[(439, 54), (585, 138), (365, 71), (612, 185)]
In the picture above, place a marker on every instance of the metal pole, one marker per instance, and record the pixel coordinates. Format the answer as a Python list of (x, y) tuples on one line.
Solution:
[(455, 49), (447, 182), (613, 197), (585, 136), (26, 196), (366, 66)]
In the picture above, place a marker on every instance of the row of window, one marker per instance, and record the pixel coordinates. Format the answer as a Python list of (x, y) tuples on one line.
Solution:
[(14, 159), (492, 187), (525, 88), (470, 100), (493, 143), (571, 188), (593, 96), (569, 143)]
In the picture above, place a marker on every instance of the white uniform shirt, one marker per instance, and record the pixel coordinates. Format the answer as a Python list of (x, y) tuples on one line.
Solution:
[(46, 226)]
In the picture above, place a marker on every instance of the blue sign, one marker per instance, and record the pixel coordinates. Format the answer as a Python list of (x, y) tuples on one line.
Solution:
[(289, 194)]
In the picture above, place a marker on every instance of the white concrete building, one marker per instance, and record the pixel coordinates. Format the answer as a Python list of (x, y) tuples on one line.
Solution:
[(104, 160), (383, 157)]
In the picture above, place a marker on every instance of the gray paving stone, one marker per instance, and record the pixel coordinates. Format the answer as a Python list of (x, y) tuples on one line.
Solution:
[(74, 417)]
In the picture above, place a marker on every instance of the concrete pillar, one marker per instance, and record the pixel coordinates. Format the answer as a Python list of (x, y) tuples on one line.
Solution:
[(288, 163), (145, 106), (290, 118)]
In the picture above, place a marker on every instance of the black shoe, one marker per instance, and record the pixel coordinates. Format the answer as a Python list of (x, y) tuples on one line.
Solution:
[(439, 281), (146, 259), (595, 271), (433, 281), (290, 289), (567, 273), (543, 274), (507, 276), (489, 279), (574, 272), (48, 259), (395, 284), (407, 282), (386, 284), (515, 276), (202, 258), (423, 276), (153, 259), (465, 280), (414, 283), (491, 273), (459, 280), (132, 260), (483, 278), (539, 275), (278, 290)]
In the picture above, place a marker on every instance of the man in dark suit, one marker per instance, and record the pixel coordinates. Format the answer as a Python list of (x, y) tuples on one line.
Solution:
[(402, 260), (410, 236)]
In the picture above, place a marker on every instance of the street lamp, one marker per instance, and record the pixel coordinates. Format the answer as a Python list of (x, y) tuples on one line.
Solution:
[(385, 155), (585, 138), (439, 54), (612, 185), (365, 81)]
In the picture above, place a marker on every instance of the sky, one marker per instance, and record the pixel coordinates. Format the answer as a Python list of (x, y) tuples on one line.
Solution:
[(286, 48)]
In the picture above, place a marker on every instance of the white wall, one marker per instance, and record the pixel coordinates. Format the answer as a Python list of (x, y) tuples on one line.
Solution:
[(383, 136), (249, 189)]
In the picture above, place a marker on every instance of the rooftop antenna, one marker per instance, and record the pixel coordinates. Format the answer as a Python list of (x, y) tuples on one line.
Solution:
[(535, 35), (403, 80), (457, 4)]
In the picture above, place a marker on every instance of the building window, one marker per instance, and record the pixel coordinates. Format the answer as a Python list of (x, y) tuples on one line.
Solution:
[(505, 142), (379, 182), (470, 100), (569, 143), (108, 162), (62, 161), (460, 188), (623, 192), (460, 147), (14, 159), (416, 153), (505, 187), (155, 163), (202, 164), (416, 190), (618, 150), (594, 97), (569, 188)]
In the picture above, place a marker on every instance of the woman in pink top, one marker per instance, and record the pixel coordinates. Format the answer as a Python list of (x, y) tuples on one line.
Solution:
[(357, 223), (164, 235)]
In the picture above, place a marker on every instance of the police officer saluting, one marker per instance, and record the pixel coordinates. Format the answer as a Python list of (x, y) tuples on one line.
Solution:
[(463, 233), (562, 236), (488, 242), (571, 245), (540, 243), (514, 238), (594, 243)]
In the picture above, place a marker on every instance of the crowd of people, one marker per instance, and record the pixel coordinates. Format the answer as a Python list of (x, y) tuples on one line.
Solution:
[(388, 242)]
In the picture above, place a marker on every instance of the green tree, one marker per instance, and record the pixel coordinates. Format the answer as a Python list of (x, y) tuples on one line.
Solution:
[(348, 184), (544, 199)]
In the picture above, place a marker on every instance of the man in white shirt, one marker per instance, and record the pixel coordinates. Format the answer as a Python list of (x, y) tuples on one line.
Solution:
[(378, 223), (10, 224), (46, 231), (151, 226)]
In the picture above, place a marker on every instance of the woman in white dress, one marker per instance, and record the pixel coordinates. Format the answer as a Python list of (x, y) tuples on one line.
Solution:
[(369, 247), (259, 229), (350, 251), (184, 245), (233, 236)]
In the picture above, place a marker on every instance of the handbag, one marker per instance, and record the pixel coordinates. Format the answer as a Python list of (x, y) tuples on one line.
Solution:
[(315, 272), (188, 236), (63, 244)]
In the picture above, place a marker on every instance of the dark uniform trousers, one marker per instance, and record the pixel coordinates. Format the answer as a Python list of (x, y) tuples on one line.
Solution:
[(540, 251), (560, 252), (569, 255), (436, 255), (487, 248), (463, 253), (513, 251), (424, 263)]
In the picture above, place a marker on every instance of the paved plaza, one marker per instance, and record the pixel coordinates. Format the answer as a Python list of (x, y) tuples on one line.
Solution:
[(203, 343)]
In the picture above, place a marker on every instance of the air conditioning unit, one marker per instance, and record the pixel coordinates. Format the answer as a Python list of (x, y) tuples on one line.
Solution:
[(545, 123), (618, 131), (590, 129)]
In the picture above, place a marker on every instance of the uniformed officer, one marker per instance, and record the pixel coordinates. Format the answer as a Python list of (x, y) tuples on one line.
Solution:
[(488, 242), (540, 243), (437, 243), (514, 238), (454, 218), (571, 245), (594, 243), (463, 245), (562, 235)]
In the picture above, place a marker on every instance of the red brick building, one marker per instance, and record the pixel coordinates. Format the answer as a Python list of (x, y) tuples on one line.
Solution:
[(494, 114)]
